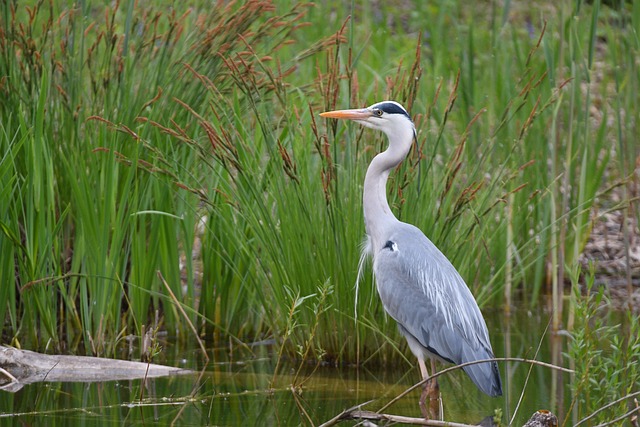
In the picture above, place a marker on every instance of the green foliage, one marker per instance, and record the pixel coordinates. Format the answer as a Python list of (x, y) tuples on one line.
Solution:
[(605, 355), (142, 139)]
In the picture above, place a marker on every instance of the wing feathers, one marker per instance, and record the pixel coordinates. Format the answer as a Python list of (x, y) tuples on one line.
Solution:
[(424, 293)]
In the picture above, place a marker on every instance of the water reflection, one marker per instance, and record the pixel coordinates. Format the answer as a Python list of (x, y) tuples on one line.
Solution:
[(229, 392)]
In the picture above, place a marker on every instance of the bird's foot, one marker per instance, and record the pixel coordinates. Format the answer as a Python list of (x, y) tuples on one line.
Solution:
[(430, 392), (434, 398)]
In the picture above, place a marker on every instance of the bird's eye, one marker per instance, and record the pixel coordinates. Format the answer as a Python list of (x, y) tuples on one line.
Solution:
[(377, 112)]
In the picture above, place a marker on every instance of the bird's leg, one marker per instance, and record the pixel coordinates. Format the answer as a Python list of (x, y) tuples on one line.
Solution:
[(435, 403), (425, 387), (432, 410)]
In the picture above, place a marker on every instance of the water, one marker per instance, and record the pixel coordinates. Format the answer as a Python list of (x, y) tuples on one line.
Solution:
[(238, 391)]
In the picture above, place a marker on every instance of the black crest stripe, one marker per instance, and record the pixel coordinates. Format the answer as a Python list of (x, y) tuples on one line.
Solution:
[(391, 108)]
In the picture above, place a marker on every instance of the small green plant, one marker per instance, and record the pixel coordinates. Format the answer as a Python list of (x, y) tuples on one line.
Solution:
[(296, 303), (606, 356)]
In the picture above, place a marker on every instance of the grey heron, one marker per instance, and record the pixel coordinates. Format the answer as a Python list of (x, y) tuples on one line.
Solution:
[(419, 288)]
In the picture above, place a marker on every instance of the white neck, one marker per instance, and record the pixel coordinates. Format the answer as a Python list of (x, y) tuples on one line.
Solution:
[(378, 217)]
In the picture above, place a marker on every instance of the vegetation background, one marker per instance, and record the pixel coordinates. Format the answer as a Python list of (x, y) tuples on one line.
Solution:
[(164, 164)]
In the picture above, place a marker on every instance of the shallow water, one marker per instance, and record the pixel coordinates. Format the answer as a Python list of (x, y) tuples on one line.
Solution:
[(230, 392)]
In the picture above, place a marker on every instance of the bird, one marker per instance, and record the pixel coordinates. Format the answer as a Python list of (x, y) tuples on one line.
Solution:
[(419, 287)]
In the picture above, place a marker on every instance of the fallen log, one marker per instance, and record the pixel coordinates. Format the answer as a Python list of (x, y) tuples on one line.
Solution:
[(20, 367)]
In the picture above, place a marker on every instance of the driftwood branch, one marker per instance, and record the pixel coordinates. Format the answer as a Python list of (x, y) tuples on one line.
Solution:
[(540, 418), (358, 414), (20, 367)]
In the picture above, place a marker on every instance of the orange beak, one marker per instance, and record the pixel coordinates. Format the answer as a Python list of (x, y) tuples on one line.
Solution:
[(357, 114)]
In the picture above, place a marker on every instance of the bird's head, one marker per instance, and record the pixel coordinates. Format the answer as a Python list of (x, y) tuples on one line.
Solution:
[(387, 116)]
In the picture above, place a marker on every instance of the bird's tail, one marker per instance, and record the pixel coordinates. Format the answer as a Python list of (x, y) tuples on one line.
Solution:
[(485, 375)]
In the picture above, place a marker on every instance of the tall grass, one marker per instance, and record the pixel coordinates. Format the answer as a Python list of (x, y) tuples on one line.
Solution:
[(123, 127)]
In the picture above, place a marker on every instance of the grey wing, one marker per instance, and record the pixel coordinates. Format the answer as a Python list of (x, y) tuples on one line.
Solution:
[(424, 293)]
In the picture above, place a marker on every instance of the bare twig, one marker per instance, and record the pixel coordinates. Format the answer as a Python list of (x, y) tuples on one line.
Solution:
[(526, 381), (620, 418), (197, 385), (462, 365), (304, 412), (608, 405), (12, 380), (179, 305), (341, 416)]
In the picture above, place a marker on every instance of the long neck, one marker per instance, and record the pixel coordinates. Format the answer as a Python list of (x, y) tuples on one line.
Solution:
[(378, 217)]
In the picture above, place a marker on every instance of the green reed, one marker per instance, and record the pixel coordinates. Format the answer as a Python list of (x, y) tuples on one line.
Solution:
[(132, 136)]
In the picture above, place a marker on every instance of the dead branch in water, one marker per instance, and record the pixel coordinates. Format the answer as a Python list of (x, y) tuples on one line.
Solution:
[(356, 412)]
